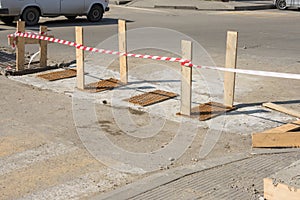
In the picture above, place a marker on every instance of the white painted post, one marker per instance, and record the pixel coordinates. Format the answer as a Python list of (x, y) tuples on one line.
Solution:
[(186, 79)]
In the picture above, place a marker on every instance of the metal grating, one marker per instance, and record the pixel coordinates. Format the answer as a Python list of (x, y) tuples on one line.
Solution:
[(150, 98), (210, 110), (103, 85), (238, 180), (54, 76)]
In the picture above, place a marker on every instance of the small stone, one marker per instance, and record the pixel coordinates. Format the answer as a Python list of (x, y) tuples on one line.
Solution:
[(171, 159)]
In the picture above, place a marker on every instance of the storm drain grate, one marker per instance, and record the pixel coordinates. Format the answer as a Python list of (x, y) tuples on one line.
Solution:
[(103, 85), (210, 110), (54, 76), (150, 98)]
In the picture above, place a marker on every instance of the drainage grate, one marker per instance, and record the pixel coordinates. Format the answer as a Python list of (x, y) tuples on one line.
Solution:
[(150, 98), (210, 110), (103, 85), (54, 76)]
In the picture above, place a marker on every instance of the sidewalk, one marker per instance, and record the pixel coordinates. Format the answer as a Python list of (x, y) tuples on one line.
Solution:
[(200, 5)]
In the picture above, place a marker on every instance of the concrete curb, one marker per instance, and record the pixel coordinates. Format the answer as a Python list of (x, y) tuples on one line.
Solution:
[(258, 7), (235, 8)]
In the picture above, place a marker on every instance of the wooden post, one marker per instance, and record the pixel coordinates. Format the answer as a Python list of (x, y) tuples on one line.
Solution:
[(43, 48), (186, 79), (20, 55), (123, 49), (80, 59), (231, 59)]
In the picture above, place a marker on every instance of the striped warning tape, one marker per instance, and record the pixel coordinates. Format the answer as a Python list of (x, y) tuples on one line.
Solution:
[(184, 62)]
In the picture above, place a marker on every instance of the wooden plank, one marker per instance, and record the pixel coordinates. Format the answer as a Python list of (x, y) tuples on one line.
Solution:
[(80, 59), (281, 109), (20, 60), (285, 128), (43, 48), (283, 139), (280, 191), (231, 59), (123, 49), (186, 79)]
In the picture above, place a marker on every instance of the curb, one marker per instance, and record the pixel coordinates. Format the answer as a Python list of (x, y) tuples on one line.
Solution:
[(235, 8), (258, 7)]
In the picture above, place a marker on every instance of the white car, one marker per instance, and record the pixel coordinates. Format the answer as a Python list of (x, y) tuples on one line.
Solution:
[(31, 10), (284, 4)]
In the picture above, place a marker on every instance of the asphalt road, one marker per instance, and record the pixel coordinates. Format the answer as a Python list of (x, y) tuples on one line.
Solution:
[(269, 35), (43, 156)]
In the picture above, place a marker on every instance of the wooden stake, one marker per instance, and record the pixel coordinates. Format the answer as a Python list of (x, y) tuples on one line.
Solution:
[(186, 79), (231, 59), (123, 49), (281, 109), (80, 59), (20, 47), (43, 48)]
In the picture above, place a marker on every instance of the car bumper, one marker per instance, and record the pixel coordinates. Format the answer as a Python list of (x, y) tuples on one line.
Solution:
[(107, 9), (4, 11)]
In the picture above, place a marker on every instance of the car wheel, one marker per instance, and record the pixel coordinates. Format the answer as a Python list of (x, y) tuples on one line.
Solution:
[(7, 20), (31, 16), (71, 18), (281, 4), (95, 14)]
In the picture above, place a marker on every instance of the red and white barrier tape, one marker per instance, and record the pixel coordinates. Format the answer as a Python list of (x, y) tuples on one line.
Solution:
[(170, 59)]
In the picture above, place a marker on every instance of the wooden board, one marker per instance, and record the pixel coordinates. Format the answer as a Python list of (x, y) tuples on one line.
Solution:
[(123, 49), (287, 135), (280, 191), (54, 76), (231, 60), (20, 53), (80, 80), (103, 85), (281, 109), (286, 139), (186, 79), (151, 98)]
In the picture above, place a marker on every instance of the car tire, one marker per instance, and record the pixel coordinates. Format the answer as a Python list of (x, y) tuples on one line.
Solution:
[(281, 4), (95, 14), (71, 18), (7, 20), (31, 16)]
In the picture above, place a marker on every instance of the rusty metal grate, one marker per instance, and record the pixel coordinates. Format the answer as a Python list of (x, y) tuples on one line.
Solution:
[(54, 76), (210, 110), (103, 85), (150, 98)]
